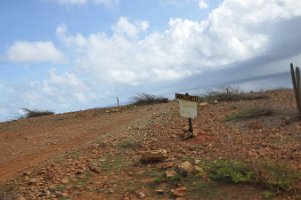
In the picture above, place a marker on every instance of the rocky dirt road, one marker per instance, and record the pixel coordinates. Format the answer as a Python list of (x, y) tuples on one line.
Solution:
[(27, 142)]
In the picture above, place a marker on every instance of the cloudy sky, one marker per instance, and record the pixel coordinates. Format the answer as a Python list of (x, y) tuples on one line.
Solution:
[(67, 55)]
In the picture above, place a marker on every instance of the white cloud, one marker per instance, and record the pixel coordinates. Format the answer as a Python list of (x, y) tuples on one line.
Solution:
[(203, 4), (75, 2), (237, 30), (179, 3), (105, 3), (23, 51), (127, 28), (59, 92), (62, 87)]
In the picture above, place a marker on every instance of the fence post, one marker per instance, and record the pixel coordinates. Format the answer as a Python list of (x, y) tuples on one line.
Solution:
[(117, 101), (295, 73)]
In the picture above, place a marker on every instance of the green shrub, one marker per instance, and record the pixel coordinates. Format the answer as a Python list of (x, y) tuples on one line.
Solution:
[(158, 180), (229, 171), (277, 177), (231, 95), (36, 113), (268, 195), (250, 113), (274, 176), (128, 144), (145, 99)]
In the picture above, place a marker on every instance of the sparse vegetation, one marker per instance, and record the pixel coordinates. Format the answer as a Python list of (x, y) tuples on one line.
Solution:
[(229, 171), (128, 144), (7, 191), (231, 94), (268, 195), (36, 113), (145, 99), (158, 180), (250, 113), (276, 177), (111, 164)]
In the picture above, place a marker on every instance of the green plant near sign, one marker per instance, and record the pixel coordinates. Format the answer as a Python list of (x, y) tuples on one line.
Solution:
[(276, 177), (250, 113), (229, 171)]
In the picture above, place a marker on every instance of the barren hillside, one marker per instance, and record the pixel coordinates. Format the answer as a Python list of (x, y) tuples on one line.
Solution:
[(243, 149)]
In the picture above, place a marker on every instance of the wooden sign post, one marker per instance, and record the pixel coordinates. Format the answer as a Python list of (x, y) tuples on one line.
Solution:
[(188, 107)]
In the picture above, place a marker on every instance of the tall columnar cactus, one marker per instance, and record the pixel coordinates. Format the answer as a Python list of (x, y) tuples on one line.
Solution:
[(296, 83)]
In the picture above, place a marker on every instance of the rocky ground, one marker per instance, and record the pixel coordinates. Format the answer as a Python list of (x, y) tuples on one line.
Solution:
[(143, 153)]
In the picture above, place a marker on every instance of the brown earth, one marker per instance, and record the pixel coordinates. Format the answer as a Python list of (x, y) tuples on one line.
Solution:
[(27, 142), (95, 154)]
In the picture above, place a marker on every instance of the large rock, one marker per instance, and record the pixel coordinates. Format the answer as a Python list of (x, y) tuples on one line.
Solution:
[(179, 192), (32, 181), (153, 156), (166, 165), (185, 168)]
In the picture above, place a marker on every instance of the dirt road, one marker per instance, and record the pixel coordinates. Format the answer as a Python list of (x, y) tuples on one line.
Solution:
[(26, 142)]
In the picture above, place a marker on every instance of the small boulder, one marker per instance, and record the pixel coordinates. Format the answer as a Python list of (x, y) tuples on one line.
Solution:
[(153, 156), (167, 165), (159, 191), (185, 168), (188, 134), (203, 104), (179, 192), (140, 195), (65, 181), (115, 110), (95, 169), (32, 181), (170, 173)]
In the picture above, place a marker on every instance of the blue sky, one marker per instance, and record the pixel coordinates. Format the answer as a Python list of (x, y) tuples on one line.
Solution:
[(67, 55)]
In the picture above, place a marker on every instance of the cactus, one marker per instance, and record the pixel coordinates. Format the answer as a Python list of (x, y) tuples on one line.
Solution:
[(296, 83)]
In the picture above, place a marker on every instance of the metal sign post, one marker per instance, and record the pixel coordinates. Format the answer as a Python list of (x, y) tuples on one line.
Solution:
[(190, 125)]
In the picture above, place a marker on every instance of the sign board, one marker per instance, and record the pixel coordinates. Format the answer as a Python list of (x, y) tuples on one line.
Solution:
[(188, 105), (187, 97), (188, 108)]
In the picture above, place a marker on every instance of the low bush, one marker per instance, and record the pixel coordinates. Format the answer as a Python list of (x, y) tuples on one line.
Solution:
[(229, 171), (231, 95), (36, 113), (145, 99), (128, 144), (250, 113), (274, 176)]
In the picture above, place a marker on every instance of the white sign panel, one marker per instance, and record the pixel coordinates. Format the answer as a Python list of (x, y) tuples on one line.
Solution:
[(188, 108)]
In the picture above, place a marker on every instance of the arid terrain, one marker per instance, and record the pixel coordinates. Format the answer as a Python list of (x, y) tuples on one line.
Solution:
[(140, 152)]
